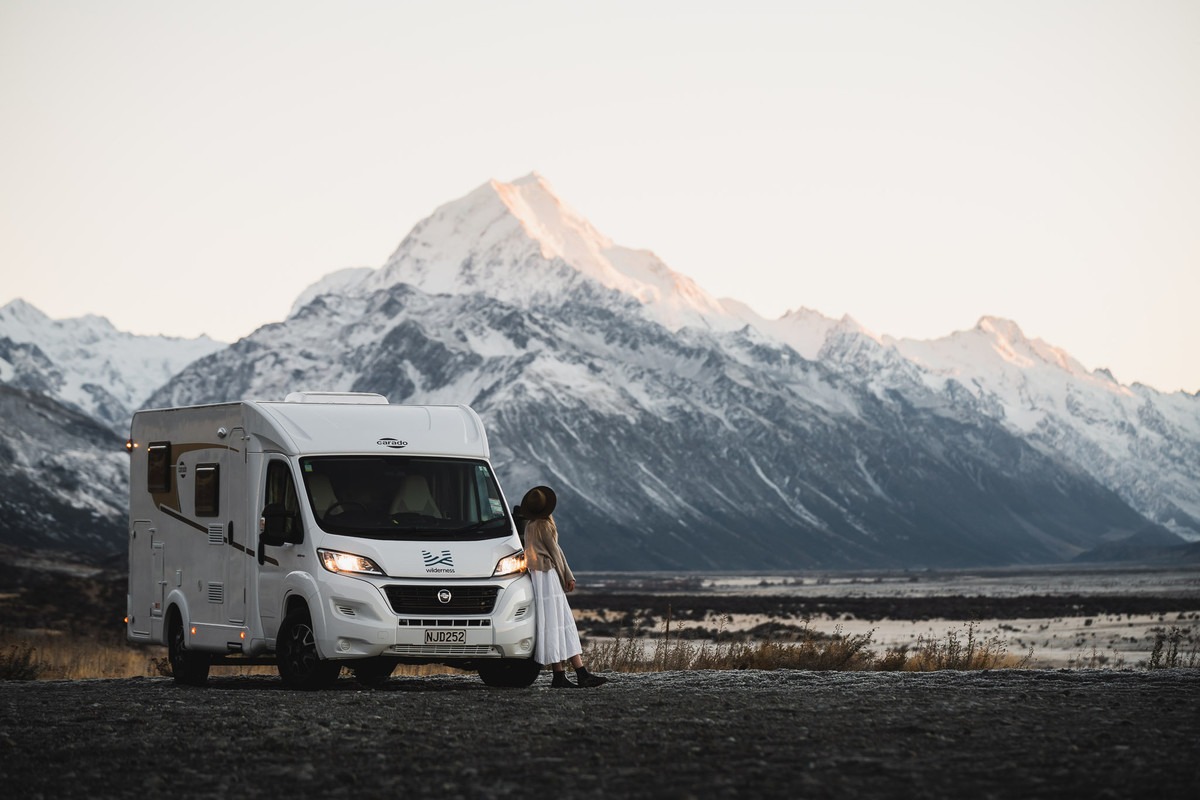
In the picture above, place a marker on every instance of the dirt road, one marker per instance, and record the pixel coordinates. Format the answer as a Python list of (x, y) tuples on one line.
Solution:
[(681, 734)]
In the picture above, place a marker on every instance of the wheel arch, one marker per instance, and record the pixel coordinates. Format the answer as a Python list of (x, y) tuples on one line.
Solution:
[(302, 592), (176, 604)]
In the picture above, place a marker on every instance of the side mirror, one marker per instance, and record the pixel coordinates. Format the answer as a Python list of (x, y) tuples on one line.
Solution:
[(273, 527)]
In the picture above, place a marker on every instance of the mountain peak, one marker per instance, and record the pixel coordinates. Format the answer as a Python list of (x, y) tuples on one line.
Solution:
[(556, 227), (518, 241), (21, 310), (1004, 328), (534, 178), (1013, 346)]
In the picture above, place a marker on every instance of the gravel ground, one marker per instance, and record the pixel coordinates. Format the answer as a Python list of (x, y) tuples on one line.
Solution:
[(681, 734)]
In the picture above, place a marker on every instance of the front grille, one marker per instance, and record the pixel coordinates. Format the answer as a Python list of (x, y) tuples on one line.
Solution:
[(445, 623), (424, 599), (431, 651)]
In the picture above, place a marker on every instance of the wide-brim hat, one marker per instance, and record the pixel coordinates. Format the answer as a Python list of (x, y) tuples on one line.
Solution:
[(538, 503)]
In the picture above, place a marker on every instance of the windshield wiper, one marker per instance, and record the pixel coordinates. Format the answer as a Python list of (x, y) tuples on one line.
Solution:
[(478, 526)]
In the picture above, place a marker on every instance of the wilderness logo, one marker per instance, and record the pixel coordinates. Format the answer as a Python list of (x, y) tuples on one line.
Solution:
[(439, 563)]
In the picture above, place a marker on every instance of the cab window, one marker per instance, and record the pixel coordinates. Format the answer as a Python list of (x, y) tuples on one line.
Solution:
[(281, 492)]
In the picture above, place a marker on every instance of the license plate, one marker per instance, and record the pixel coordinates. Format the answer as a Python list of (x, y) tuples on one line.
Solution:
[(445, 636)]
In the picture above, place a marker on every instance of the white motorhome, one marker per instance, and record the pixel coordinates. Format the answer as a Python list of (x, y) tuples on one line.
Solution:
[(325, 531)]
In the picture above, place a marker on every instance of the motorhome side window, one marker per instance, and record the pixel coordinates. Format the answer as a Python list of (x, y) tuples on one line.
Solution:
[(281, 491), (208, 490), (158, 467)]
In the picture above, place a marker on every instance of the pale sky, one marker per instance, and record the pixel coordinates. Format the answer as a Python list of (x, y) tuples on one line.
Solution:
[(184, 167)]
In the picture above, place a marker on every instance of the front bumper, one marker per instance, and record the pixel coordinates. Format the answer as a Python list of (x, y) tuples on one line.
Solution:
[(364, 618)]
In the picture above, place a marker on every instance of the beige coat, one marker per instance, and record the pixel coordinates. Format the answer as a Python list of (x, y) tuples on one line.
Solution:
[(542, 552)]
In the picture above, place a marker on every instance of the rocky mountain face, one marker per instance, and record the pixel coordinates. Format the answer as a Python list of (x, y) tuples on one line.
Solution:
[(682, 431), (63, 477)]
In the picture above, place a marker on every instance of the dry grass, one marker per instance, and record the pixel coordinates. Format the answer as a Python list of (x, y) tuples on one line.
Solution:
[(955, 652), (49, 655), (811, 650)]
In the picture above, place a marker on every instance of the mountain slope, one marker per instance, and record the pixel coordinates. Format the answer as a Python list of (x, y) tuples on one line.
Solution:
[(63, 477), (1143, 444)]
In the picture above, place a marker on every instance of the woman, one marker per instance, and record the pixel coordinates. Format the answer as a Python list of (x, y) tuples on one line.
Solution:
[(557, 638)]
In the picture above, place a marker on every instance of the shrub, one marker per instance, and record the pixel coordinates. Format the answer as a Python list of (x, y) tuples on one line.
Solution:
[(955, 653), (1167, 649), (20, 664)]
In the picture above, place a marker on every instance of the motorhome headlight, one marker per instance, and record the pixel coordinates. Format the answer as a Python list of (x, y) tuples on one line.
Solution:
[(336, 561), (510, 565)]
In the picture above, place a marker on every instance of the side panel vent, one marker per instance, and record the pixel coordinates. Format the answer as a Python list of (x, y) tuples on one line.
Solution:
[(216, 534), (216, 592)]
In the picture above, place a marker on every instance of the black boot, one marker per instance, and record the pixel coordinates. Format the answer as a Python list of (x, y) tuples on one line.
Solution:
[(561, 682), (587, 680)]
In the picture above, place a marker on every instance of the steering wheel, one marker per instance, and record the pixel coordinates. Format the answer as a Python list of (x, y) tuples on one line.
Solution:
[(344, 507)]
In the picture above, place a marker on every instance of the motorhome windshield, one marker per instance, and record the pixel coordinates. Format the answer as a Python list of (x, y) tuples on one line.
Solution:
[(402, 497)]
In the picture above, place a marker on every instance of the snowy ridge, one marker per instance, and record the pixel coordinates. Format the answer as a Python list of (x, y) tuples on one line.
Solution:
[(804, 330), (87, 363), (340, 282)]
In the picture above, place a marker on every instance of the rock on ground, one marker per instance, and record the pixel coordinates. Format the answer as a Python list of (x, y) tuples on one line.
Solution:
[(680, 734)]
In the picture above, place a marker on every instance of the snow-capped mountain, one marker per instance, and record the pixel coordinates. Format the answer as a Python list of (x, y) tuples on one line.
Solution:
[(681, 430), (88, 364), (1141, 443), (685, 431)]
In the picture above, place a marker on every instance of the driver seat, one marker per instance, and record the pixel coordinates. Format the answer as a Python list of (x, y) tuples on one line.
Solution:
[(414, 497), (321, 492)]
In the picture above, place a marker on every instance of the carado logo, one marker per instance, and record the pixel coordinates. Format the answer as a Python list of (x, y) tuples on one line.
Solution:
[(395, 444)]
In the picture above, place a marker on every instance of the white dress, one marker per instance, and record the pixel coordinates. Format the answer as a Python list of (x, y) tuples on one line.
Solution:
[(557, 637)]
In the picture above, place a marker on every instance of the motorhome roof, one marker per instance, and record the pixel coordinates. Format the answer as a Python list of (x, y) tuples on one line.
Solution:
[(348, 427)]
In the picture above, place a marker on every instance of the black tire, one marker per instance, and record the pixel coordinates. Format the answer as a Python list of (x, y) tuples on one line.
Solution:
[(300, 665), (373, 672), (510, 673), (188, 667)]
